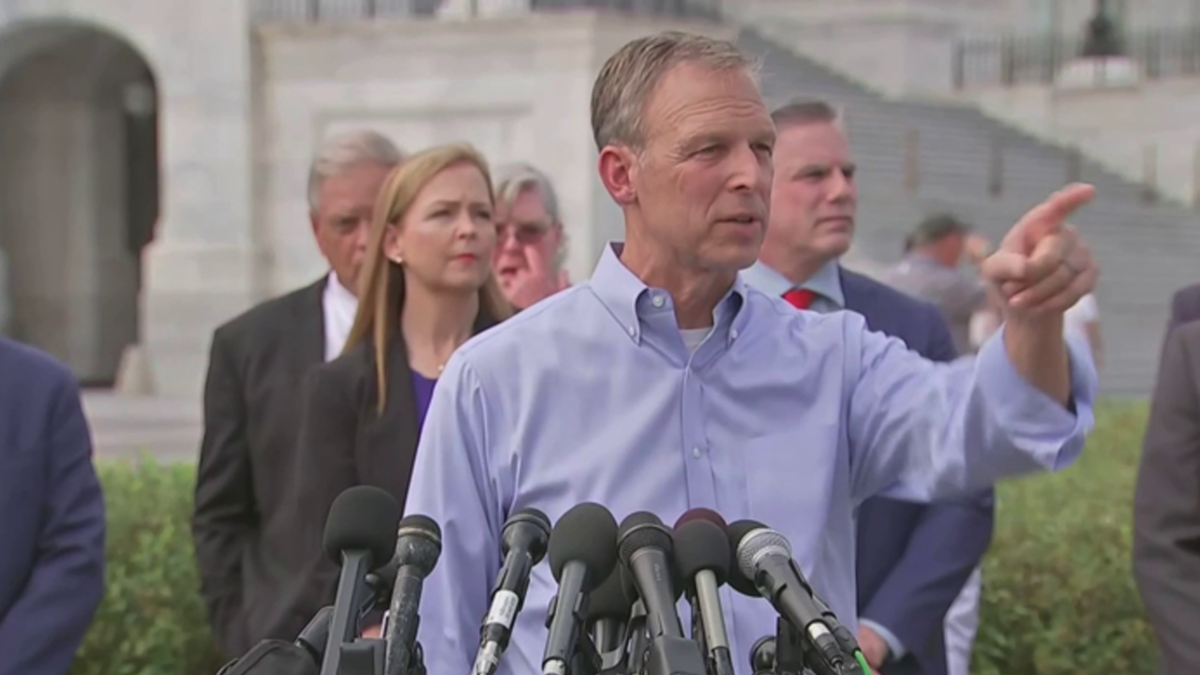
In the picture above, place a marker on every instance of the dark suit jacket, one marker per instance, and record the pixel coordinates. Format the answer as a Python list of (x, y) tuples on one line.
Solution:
[(913, 559), (244, 533), (344, 442), (1166, 523), (1185, 306), (51, 515)]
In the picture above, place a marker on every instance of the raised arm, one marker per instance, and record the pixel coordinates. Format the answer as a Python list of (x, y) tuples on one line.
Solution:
[(920, 429)]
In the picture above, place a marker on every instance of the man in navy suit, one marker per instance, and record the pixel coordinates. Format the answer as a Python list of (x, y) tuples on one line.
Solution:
[(51, 515), (912, 559)]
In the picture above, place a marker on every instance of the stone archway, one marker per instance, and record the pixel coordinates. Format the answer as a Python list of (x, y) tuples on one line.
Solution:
[(79, 190)]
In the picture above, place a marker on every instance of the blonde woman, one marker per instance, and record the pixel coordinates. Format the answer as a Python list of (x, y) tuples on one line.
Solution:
[(425, 289)]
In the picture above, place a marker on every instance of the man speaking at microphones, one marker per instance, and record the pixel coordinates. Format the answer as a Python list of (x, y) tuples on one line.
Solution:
[(665, 383)]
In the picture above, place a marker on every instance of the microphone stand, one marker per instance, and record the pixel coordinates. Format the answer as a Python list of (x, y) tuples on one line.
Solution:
[(789, 649), (364, 656), (792, 655), (698, 634)]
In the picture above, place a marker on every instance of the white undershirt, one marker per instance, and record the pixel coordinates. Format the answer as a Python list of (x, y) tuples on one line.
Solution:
[(340, 306), (692, 337)]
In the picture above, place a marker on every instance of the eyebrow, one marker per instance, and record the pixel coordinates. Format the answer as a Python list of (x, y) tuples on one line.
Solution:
[(817, 167)]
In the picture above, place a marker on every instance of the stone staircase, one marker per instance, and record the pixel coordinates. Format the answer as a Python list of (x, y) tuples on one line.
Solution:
[(1146, 251)]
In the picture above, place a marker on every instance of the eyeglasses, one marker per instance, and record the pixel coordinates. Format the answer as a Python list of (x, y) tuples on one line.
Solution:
[(524, 233)]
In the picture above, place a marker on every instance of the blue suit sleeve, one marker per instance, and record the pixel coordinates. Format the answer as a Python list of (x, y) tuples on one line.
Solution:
[(46, 625), (451, 484), (946, 545)]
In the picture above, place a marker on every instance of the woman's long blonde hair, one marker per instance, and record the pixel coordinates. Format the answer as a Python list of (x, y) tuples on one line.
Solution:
[(381, 285)]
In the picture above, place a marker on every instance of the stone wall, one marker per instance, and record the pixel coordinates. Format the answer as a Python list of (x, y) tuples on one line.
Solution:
[(517, 88)]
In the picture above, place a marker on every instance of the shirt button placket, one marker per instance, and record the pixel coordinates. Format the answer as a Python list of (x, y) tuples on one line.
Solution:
[(697, 462)]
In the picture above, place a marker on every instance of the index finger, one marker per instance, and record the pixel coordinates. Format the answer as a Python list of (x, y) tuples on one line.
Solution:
[(1049, 216)]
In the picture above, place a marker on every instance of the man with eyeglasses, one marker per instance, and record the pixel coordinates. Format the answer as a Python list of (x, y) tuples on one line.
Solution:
[(531, 246)]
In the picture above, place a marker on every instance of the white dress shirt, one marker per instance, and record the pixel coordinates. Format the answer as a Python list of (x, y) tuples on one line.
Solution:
[(340, 305)]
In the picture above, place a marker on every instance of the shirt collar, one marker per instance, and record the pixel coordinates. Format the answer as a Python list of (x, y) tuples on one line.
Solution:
[(629, 300), (827, 282), (339, 293)]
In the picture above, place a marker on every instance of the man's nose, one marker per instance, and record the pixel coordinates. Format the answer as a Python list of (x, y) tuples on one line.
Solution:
[(362, 233), (748, 169), (841, 186)]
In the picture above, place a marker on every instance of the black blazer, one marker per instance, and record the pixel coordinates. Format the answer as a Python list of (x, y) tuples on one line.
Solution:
[(242, 527), (344, 441), (1166, 512)]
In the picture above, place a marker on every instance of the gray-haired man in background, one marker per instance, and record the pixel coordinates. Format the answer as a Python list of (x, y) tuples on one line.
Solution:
[(531, 247), (244, 536)]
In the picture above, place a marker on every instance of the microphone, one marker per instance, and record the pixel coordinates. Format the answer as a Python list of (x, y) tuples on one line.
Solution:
[(418, 545), (646, 547), (609, 607), (525, 537), (359, 534), (702, 557), (582, 555), (765, 557)]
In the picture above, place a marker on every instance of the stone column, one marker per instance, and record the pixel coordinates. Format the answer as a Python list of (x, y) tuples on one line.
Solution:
[(198, 271)]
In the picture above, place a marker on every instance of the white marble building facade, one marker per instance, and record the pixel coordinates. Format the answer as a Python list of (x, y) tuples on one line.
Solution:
[(100, 263)]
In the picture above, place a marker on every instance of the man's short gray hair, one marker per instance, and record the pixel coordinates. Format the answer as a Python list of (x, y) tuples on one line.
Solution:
[(805, 111), (342, 151), (515, 178), (629, 77)]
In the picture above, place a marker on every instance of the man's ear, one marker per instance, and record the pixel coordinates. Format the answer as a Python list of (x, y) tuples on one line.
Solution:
[(618, 172)]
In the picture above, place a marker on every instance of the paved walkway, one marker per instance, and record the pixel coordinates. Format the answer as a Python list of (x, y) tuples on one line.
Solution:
[(127, 427)]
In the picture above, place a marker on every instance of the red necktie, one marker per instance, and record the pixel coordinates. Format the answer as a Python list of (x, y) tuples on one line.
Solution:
[(799, 298)]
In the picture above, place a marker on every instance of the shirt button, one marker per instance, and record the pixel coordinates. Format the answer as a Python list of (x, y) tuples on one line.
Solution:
[(632, 330), (733, 333), (658, 301), (696, 452)]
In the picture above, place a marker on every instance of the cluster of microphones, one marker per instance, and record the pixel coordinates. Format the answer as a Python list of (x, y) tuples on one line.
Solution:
[(615, 610)]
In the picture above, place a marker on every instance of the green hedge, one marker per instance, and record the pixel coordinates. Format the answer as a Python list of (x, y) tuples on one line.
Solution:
[(1058, 595), (152, 620)]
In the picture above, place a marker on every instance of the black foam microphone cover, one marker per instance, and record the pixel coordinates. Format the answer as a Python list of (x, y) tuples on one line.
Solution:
[(738, 581), (700, 545), (362, 518), (612, 598), (586, 533), (702, 514)]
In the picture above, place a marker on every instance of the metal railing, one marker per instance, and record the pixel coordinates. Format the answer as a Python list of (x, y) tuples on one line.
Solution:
[(322, 11), (1038, 59)]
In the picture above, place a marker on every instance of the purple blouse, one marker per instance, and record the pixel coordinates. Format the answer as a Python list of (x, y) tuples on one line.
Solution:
[(423, 388)]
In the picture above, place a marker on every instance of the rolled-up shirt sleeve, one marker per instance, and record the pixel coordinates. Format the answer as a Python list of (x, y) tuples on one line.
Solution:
[(452, 485), (921, 430)]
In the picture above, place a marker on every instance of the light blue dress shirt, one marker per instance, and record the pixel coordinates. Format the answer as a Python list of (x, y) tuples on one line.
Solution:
[(788, 417), (826, 284)]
